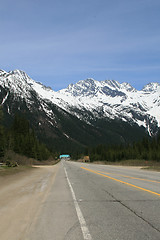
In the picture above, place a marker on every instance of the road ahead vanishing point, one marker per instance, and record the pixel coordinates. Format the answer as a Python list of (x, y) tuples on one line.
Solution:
[(97, 202)]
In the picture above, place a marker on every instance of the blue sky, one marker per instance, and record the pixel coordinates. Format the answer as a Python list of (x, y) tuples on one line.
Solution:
[(58, 42)]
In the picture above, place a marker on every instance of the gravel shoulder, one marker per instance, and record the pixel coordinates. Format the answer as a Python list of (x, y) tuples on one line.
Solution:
[(21, 198)]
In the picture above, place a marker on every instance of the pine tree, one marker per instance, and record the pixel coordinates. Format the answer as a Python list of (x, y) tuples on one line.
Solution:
[(25, 141), (2, 136)]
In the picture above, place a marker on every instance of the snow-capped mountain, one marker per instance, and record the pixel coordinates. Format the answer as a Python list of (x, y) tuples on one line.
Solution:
[(87, 101), (117, 100)]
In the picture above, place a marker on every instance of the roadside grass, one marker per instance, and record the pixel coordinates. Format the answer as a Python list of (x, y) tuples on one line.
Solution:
[(50, 161), (152, 168), (146, 165), (15, 163)]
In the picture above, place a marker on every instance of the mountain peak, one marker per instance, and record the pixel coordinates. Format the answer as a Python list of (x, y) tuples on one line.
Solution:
[(21, 75), (112, 83), (151, 87), (128, 87), (87, 82)]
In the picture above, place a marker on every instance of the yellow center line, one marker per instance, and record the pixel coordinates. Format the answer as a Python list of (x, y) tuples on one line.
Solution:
[(142, 179), (117, 180)]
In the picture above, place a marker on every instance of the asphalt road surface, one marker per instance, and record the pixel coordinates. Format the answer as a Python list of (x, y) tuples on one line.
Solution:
[(96, 202)]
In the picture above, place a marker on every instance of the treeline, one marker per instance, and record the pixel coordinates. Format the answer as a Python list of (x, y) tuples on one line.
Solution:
[(21, 139), (147, 149)]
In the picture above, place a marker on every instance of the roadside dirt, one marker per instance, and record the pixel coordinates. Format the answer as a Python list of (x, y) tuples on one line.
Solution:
[(21, 197)]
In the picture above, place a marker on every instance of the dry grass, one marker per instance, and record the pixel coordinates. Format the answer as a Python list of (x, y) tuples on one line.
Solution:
[(152, 168), (50, 161), (19, 159), (148, 165), (23, 163)]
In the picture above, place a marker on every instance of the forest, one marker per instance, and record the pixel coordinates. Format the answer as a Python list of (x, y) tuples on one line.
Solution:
[(21, 139), (147, 149)]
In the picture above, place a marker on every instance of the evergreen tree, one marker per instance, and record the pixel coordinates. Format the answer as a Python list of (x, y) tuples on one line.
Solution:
[(25, 141), (147, 149), (2, 136)]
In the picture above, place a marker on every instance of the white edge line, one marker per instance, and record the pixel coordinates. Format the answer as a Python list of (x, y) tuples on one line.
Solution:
[(84, 228)]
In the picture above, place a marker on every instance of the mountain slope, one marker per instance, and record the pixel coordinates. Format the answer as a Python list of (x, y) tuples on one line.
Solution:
[(86, 113), (114, 100)]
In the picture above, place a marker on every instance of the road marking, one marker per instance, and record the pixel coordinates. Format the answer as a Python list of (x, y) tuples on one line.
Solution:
[(129, 184), (84, 228), (142, 179)]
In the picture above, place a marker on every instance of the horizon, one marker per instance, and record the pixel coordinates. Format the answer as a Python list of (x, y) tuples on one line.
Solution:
[(62, 42)]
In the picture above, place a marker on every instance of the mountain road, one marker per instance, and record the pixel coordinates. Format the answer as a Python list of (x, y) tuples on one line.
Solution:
[(80, 201)]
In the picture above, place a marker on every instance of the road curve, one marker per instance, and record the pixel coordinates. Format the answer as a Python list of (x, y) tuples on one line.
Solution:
[(100, 202)]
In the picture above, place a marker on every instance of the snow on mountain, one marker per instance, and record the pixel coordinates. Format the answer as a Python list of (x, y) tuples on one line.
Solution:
[(118, 100), (151, 87), (17, 81), (99, 99)]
